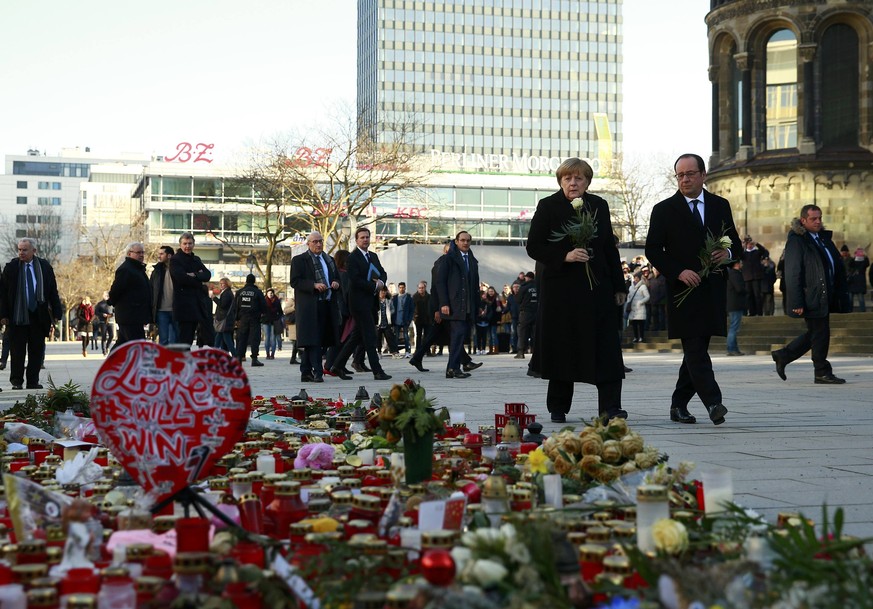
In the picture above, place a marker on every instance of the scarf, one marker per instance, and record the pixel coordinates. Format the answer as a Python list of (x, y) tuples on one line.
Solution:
[(21, 316)]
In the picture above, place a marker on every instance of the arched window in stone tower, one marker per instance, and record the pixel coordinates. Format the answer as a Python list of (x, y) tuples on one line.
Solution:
[(839, 86), (781, 78)]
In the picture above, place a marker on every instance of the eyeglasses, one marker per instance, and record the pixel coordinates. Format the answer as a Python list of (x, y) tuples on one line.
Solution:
[(316, 240), (686, 174), (135, 252)]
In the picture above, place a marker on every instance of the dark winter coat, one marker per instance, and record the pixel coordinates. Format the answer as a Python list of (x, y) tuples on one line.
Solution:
[(159, 274), (673, 244), (736, 290), (306, 301), (856, 273), (752, 268), (456, 287), (577, 327), (47, 311), (806, 279), (362, 295), (190, 301), (224, 309), (131, 294)]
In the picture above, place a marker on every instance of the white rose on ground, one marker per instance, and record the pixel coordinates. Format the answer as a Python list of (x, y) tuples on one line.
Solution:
[(670, 536), (488, 572)]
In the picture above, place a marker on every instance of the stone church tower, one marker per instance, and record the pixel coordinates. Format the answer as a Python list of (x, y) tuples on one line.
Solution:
[(792, 115)]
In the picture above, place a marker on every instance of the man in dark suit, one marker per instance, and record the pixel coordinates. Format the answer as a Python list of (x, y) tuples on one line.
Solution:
[(366, 276), (457, 289), (816, 286), (29, 306), (315, 280), (131, 295), (678, 230)]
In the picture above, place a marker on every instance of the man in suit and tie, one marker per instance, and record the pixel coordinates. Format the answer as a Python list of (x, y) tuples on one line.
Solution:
[(29, 306), (815, 287), (457, 289), (678, 230), (366, 277), (315, 280)]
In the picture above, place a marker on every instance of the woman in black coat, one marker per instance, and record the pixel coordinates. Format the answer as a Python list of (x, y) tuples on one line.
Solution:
[(577, 337), (191, 303)]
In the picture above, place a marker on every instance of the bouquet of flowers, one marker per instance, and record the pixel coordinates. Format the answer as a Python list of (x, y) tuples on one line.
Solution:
[(407, 413), (707, 264), (581, 229)]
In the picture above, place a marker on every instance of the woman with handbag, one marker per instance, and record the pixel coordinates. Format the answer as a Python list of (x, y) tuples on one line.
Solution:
[(84, 315), (636, 306), (268, 322)]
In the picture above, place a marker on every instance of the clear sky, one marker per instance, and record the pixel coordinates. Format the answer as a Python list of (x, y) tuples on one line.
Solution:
[(123, 76)]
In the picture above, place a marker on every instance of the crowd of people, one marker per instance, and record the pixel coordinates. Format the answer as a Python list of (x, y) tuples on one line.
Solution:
[(572, 313)]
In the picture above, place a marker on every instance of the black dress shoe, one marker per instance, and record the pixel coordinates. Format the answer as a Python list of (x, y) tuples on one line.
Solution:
[(360, 367), (618, 413), (534, 373), (418, 365), (3, 366), (38, 386), (340, 374), (829, 379), (457, 374), (780, 364), (347, 371), (626, 369), (681, 415), (256, 363), (17, 387), (716, 413), (470, 366), (317, 379), (381, 376), (306, 378), (559, 417)]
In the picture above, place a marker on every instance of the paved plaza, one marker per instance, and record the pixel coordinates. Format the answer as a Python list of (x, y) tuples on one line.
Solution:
[(792, 446)]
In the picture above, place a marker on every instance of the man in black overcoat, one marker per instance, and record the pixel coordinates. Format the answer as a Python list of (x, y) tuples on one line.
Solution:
[(366, 276), (457, 289), (315, 280), (29, 306), (678, 230), (191, 303), (131, 295)]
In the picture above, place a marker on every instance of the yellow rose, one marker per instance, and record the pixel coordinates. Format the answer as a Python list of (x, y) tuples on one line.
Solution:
[(592, 445), (631, 444), (646, 459), (670, 536), (572, 445), (562, 465), (617, 428), (607, 473), (628, 467), (611, 451), (590, 464)]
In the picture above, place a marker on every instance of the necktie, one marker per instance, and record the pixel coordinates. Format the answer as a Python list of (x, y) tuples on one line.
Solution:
[(31, 290), (696, 212), (829, 265), (466, 262)]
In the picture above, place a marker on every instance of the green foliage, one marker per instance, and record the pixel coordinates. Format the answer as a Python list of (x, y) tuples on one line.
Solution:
[(407, 412)]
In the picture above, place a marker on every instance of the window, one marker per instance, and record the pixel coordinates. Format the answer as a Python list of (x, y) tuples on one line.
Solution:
[(177, 222), (781, 90), (839, 86), (49, 201), (44, 185), (20, 184), (177, 188), (21, 200)]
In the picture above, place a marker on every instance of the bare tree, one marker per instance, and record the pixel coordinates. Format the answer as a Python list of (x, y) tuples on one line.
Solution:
[(638, 186), (43, 223), (330, 183)]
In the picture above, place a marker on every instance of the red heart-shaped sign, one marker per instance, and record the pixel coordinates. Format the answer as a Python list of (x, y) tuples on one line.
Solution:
[(167, 415)]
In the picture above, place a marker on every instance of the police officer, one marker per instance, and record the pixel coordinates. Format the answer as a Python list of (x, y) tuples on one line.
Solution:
[(250, 305)]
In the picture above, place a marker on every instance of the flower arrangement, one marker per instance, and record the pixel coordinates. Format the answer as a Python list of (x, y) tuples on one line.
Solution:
[(707, 264), (582, 230), (406, 412), (41, 410), (599, 454)]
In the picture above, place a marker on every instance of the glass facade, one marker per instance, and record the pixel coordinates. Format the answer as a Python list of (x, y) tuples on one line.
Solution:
[(519, 78), (782, 90)]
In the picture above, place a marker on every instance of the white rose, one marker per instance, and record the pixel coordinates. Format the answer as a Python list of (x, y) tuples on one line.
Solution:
[(518, 552), (488, 572), (577, 202), (725, 242), (462, 557), (670, 536)]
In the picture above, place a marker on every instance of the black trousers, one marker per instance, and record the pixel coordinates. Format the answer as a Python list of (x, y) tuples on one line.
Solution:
[(526, 328), (365, 334), (25, 341), (129, 332), (248, 335), (818, 338), (696, 375), (187, 329), (560, 396), (432, 336)]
